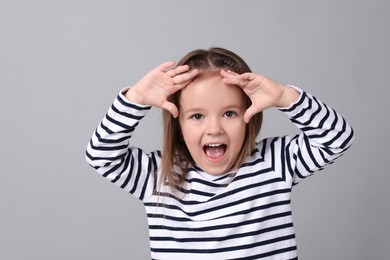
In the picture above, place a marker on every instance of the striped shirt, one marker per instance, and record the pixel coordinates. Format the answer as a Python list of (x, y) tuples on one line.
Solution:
[(245, 216)]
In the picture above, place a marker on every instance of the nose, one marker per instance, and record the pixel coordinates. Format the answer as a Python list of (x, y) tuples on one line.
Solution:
[(214, 127)]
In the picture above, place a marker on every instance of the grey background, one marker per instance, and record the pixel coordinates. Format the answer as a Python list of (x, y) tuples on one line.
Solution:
[(63, 62)]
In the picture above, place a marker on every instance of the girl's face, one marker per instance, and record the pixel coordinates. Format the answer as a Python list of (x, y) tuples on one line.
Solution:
[(211, 116)]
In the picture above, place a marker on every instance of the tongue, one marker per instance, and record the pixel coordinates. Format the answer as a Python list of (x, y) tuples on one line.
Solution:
[(215, 152)]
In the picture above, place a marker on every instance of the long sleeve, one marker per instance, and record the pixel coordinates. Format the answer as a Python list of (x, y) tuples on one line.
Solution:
[(109, 153), (325, 136), (246, 216)]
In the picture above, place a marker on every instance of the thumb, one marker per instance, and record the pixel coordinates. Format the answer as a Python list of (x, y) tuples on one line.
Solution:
[(171, 108), (250, 112)]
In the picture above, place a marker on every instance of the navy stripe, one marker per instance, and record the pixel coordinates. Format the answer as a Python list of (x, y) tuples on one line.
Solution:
[(223, 249), (131, 105), (289, 160), (222, 195), (302, 112), (224, 238), (252, 174), (105, 158), (297, 104), (192, 191), (272, 146), (347, 141), (110, 141), (268, 254), (113, 169), (337, 137), (308, 149), (226, 205), (283, 158), (127, 168), (138, 173), (128, 115), (116, 122), (147, 173), (107, 148), (215, 227)]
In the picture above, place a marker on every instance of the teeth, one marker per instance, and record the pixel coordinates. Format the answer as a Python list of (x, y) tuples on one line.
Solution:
[(214, 145)]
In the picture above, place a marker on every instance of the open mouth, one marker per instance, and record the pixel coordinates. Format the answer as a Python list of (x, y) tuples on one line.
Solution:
[(214, 151)]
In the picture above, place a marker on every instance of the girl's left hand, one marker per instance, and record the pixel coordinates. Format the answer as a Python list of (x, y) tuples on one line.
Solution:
[(262, 91)]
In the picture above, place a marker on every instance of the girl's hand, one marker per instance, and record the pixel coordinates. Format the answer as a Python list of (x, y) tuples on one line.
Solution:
[(157, 85), (262, 91)]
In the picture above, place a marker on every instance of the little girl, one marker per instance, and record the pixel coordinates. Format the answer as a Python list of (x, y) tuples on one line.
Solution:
[(213, 192)]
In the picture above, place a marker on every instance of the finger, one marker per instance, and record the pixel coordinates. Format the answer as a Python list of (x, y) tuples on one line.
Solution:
[(233, 80), (250, 112), (177, 70), (181, 69), (237, 79), (246, 77), (244, 80), (185, 77), (166, 66), (171, 108), (182, 85), (178, 82), (228, 73), (228, 77)]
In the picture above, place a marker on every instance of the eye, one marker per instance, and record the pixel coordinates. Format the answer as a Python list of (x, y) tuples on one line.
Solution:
[(230, 114), (197, 116)]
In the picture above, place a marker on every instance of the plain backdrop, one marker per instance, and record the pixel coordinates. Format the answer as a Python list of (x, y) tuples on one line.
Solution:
[(63, 62)]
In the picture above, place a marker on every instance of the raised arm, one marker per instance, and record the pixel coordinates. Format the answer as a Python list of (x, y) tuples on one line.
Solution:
[(325, 135), (108, 151)]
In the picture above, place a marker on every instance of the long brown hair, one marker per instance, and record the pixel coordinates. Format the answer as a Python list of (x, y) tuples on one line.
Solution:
[(175, 152)]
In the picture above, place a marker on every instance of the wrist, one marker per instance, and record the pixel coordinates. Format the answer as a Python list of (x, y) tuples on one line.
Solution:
[(132, 95), (290, 95)]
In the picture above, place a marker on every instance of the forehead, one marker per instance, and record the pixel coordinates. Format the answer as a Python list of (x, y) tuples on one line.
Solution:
[(211, 90)]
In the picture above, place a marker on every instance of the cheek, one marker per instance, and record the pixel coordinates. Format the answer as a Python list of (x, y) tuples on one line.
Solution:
[(239, 127), (189, 135), (239, 136), (185, 131)]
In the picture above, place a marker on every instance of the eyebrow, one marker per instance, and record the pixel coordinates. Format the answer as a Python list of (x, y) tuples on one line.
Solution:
[(200, 109)]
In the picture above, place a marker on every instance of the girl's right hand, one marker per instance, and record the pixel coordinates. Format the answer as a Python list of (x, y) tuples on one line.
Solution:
[(157, 85)]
